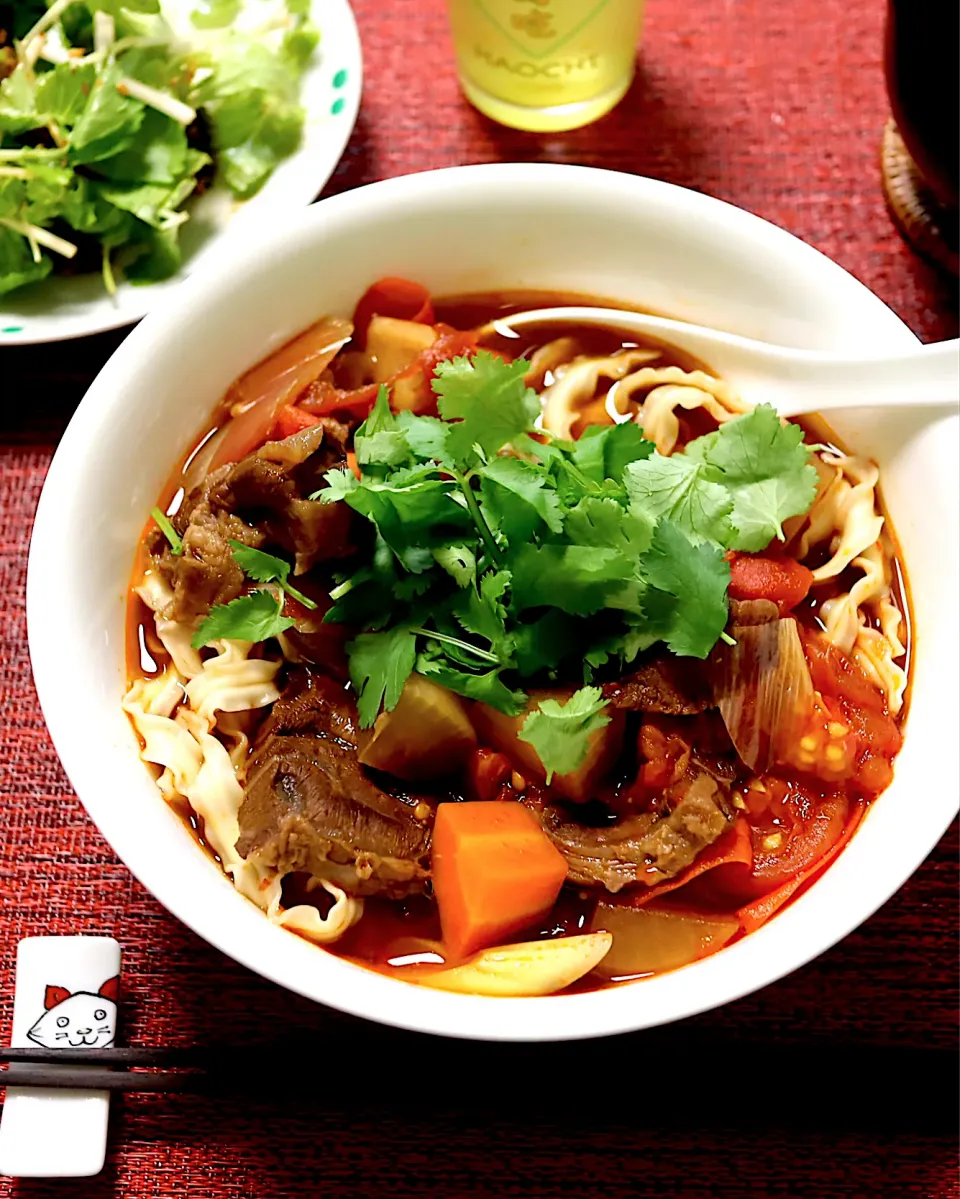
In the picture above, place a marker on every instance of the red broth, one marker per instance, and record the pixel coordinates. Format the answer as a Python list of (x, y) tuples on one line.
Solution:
[(795, 824)]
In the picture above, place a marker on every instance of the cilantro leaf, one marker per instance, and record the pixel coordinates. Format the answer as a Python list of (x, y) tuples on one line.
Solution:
[(604, 522), (560, 733), (459, 561), (766, 468), (543, 644), (686, 599), (483, 613), (488, 402), (426, 436), (338, 484), (605, 451), (380, 418), (517, 499), (380, 664), (681, 489), (574, 578), (487, 688), (382, 449), (265, 568), (413, 510), (375, 594), (254, 617), (637, 635)]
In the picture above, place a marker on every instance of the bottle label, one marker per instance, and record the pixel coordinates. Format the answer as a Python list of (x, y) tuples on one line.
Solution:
[(546, 52), (539, 27)]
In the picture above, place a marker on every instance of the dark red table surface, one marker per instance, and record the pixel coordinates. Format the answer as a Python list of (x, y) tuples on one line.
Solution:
[(838, 1081)]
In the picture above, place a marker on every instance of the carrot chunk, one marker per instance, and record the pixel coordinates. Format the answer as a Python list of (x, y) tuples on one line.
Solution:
[(495, 872)]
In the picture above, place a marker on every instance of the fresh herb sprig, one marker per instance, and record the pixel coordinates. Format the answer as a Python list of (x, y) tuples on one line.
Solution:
[(165, 525), (502, 557), (259, 615)]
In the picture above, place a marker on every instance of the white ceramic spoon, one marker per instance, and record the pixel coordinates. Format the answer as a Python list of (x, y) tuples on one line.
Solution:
[(795, 382)]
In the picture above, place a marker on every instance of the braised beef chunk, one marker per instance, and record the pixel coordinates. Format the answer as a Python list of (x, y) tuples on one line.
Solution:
[(649, 847), (663, 683), (311, 807), (259, 501), (205, 573)]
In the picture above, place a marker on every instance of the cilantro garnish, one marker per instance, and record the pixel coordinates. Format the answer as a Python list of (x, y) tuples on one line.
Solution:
[(487, 403), (502, 559), (735, 486), (254, 617), (165, 525), (380, 664), (265, 568), (560, 733), (259, 615)]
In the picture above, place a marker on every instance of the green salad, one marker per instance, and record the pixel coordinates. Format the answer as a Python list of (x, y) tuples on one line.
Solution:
[(114, 112)]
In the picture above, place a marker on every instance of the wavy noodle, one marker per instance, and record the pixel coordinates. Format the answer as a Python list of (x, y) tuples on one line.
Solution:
[(846, 512), (657, 390), (308, 922), (166, 742), (214, 792), (667, 389), (576, 385), (842, 615), (875, 655), (233, 681), (175, 636), (547, 358), (199, 768), (844, 516), (846, 625)]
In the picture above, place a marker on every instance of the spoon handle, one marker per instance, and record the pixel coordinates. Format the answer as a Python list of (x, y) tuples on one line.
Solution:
[(928, 376), (795, 382)]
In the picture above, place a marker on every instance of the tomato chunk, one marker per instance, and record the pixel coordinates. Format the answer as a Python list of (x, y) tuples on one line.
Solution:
[(293, 420), (400, 298), (488, 771), (780, 580)]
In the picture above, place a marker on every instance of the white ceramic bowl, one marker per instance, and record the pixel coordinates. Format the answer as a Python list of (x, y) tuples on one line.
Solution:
[(473, 228)]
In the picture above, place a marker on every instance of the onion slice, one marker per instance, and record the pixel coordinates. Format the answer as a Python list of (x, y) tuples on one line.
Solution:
[(764, 691), (257, 397)]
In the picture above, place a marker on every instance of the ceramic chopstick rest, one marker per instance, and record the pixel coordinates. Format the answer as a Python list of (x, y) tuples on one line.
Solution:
[(67, 993)]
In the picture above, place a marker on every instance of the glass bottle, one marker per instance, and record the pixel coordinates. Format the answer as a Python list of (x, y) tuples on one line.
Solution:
[(545, 65)]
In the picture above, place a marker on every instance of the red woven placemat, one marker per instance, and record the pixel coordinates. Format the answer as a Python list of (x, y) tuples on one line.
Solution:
[(775, 107)]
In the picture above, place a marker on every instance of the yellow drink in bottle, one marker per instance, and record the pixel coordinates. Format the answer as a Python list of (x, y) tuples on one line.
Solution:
[(545, 65)]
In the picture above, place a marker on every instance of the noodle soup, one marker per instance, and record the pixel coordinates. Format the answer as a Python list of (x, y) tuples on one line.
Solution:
[(514, 664)]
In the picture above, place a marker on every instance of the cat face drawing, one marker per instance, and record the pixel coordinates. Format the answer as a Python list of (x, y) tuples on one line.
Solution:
[(81, 1020)]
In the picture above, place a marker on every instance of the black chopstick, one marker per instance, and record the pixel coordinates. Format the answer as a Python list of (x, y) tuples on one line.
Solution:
[(110, 1069), (101, 1078), (141, 1055)]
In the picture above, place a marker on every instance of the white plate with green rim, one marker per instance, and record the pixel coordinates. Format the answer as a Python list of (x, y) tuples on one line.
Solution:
[(60, 308)]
